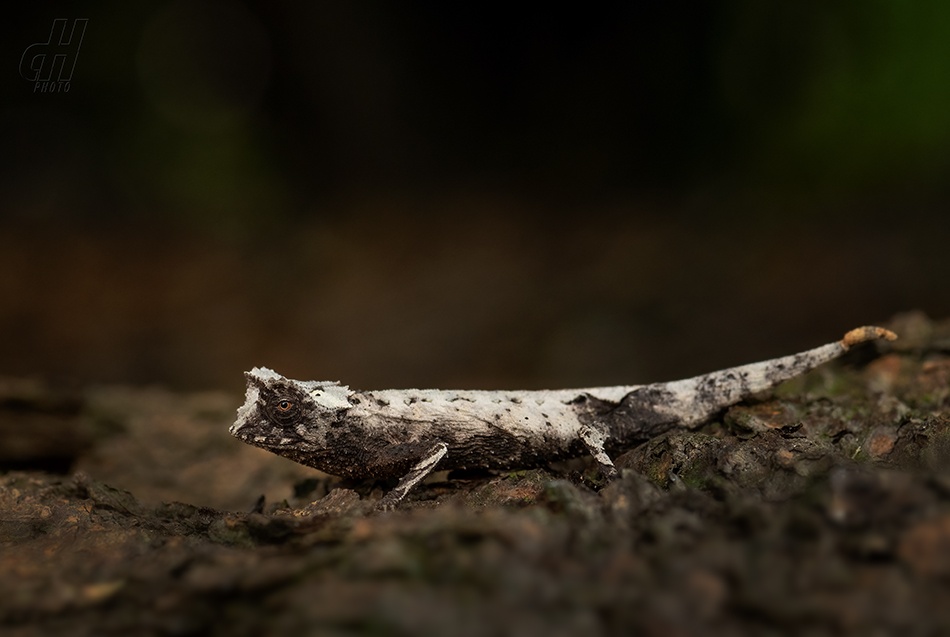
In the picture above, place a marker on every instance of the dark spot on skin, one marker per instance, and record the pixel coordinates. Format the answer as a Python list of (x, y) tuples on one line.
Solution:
[(354, 400), (382, 403), (718, 389), (543, 415), (797, 365), (516, 401), (413, 400), (635, 417), (497, 416), (547, 423)]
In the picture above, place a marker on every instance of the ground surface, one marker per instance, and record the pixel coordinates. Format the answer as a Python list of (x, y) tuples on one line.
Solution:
[(822, 508)]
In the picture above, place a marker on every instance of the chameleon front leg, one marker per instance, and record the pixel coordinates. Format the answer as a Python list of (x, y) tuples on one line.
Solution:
[(416, 475), (594, 438)]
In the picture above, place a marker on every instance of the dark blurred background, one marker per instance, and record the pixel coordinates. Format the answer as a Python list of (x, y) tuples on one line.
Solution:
[(464, 195)]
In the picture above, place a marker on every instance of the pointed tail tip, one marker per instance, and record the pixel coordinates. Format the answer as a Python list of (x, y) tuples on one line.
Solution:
[(866, 333)]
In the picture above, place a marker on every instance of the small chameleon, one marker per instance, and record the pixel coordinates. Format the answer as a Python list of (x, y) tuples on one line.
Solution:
[(408, 433)]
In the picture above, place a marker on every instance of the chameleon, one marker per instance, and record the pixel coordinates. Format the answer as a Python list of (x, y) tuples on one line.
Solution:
[(409, 433)]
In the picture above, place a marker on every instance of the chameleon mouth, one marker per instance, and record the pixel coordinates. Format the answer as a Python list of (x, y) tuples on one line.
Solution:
[(262, 433)]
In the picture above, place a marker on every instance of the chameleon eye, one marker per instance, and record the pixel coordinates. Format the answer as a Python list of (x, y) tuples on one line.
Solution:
[(284, 405)]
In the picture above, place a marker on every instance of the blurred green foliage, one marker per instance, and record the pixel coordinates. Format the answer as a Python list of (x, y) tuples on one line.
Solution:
[(842, 95), (224, 112)]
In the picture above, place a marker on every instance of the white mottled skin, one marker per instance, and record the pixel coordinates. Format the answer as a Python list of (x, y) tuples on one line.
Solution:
[(552, 423), (520, 411)]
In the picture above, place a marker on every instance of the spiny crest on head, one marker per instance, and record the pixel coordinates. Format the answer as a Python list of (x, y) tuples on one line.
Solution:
[(265, 374), (327, 394)]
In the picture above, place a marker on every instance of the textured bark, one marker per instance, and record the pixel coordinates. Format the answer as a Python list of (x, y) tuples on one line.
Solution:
[(821, 508)]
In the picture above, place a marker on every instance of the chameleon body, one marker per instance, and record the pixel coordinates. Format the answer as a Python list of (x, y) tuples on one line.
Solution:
[(409, 433)]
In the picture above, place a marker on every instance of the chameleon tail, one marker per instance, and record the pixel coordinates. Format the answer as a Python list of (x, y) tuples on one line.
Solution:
[(703, 396)]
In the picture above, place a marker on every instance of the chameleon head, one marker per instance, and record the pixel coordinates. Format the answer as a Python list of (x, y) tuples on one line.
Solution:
[(282, 414)]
